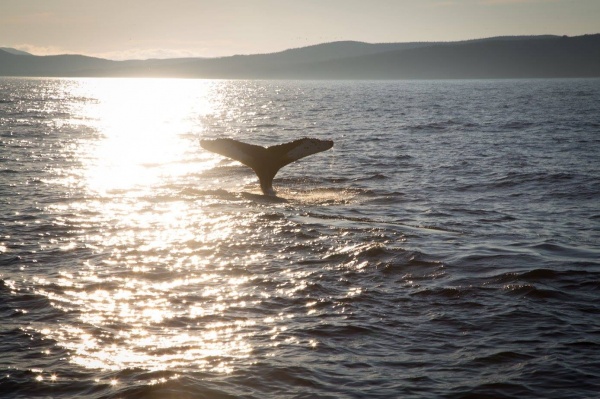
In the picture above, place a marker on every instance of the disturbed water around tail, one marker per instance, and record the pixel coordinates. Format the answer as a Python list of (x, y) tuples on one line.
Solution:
[(447, 246)]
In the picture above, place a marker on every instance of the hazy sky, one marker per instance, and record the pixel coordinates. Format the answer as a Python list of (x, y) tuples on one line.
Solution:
[(122, 29)]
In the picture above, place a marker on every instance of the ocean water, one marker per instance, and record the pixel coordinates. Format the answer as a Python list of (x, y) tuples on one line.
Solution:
[(448, 246)]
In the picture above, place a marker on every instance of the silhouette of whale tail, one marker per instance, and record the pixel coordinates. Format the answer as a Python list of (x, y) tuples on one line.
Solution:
[(266, 162)]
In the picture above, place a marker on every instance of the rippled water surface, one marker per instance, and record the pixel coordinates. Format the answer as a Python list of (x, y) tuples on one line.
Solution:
[(447, 246)]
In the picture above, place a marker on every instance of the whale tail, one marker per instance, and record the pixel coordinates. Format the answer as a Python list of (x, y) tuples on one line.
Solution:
[(266, 162)]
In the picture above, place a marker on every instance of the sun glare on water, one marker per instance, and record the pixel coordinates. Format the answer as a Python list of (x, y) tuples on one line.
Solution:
[(151, 277), (145, 127)]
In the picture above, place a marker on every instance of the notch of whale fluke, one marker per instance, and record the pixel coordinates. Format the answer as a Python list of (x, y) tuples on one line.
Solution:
[(266, 161)]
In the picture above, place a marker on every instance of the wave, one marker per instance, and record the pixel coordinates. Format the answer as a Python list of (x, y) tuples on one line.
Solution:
[(158, 385), (496, 390), (385, 198), (519, 178), (502, 357), (540, 275), (194, 192), (385, 259), (566, 281), (442, 292), (447, 125), (559, 185), (376, 176), (517, 125), (531, 291), (265, 125)]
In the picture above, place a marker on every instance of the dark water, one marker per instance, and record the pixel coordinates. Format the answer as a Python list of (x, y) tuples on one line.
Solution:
[(448, 246)]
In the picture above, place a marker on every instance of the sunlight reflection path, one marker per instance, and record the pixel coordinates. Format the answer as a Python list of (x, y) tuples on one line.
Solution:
[(146, 127), (160, 273), (151, 294)]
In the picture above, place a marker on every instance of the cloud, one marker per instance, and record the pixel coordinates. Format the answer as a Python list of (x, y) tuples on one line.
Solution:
[(32, 19), (130, 54), (445, 4), (501, 2), (41, 50), (148, 53), (467, 3)]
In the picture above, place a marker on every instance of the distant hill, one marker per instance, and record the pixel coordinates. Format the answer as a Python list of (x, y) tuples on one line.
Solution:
[(498, 57), (52, 65), (545, 57), (14, 51)]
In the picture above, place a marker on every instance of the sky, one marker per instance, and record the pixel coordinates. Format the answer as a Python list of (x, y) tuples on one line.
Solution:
[(140, 29)]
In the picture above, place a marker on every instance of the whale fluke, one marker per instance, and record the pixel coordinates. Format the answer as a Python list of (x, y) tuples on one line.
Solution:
[(266, 162)]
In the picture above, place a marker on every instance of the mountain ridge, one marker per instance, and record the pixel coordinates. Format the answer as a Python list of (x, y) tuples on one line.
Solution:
[(14, 51), (495, 57)]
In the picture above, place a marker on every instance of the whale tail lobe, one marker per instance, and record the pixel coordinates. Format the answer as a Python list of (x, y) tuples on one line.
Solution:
[(266, 162)]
